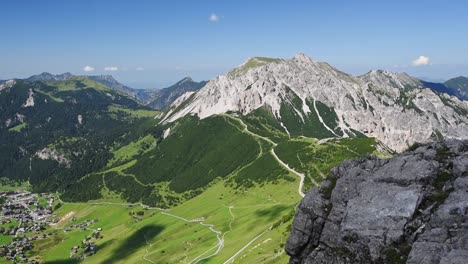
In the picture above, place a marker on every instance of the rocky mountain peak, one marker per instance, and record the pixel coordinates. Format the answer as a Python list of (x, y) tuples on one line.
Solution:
[(392, 107), (185, 79), (301, 57)]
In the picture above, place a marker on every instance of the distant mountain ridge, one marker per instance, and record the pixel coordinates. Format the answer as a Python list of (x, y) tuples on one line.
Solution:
[(459, 85), (167, 96), (45, 76), (155, 98)]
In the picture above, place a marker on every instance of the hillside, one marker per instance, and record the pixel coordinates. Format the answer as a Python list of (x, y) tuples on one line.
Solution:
[(55, 132), (157, 99)]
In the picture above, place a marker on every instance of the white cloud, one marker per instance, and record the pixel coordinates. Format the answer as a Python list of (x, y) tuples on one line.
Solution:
[(421, 60), (140, 69), (214, 18), (111, 68), (88, 68)]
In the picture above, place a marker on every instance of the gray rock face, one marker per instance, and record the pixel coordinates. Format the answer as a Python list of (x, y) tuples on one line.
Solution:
[(412, 208)]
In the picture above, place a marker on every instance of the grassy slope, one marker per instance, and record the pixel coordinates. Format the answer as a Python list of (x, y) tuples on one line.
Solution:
[(252, 63), (315, 160), (18, 128), (195, 154)]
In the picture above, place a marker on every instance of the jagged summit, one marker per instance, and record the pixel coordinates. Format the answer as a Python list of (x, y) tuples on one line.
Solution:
[(395, 108)]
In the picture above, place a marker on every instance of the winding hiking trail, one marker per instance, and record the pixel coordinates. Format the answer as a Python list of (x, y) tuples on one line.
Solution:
[(272, 151)]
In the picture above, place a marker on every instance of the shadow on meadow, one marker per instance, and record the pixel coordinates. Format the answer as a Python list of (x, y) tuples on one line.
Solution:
[(272, 213), (134, 242)]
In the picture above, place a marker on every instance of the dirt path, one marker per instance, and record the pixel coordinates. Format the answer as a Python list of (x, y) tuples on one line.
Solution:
[(201, 220), (300, 175), (65, 217), (231, 259), (272, 151)]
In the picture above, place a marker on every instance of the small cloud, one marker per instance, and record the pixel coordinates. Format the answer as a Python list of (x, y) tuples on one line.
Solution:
[(88, 68), (111, 68), (421, 60), (140, 69), (214, 18)]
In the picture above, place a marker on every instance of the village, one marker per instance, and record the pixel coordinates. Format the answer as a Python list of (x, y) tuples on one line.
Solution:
[(27, 218)]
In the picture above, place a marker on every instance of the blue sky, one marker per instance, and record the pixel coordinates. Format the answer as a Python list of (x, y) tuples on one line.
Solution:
[(155, 43)]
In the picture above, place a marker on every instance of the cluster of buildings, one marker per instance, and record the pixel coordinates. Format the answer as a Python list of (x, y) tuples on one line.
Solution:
[(26, 217), (82, 226), (23, 219)]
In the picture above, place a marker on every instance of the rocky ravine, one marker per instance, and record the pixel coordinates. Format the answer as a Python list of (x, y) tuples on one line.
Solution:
[(412, 208)]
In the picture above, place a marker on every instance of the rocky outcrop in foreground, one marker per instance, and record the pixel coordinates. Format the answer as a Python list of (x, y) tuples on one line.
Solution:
[(412, 208)]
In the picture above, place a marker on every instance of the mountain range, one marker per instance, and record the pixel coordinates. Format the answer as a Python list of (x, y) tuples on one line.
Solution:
[(279, 99), (234, 154)]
